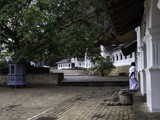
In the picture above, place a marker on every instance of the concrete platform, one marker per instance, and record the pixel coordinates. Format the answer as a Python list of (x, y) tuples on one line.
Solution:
[(140, 109), (48, 102), (95, 81)]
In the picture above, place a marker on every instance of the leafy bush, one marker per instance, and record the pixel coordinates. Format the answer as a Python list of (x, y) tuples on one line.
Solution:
[(102, 64)]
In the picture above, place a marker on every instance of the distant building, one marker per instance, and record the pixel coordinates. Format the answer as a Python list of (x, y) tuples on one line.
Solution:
[(116, 55), (71, 63), (121, 62)]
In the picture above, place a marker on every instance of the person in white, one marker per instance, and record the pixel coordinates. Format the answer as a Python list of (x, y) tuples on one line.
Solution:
[(133, 82)]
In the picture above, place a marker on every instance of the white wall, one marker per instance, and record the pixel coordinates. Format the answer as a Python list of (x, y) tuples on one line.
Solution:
[(150, 57), (64, 66), (122, 60), (104, 52), (87, 62), (79, 63), (141, 61), (158, 4), (84, 64)]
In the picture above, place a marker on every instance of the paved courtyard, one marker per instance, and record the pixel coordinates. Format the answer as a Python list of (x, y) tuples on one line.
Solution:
[(61, 103)]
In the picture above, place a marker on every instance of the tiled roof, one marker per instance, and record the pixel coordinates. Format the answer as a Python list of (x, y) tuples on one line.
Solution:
[(65, 61)]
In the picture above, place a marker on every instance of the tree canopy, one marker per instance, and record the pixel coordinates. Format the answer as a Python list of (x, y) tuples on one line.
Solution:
[(40, 29)]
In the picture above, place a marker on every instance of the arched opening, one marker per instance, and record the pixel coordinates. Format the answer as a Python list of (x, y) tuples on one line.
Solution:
[(12, 69)]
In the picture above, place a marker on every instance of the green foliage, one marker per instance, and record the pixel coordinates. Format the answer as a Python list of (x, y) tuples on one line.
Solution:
[(3, 64), (50, 28), (102, 64), (4, 67)]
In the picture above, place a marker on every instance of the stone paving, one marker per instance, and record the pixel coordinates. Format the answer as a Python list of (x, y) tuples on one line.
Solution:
[(61, 103), (48, 102), (140, 109), (89, 105)]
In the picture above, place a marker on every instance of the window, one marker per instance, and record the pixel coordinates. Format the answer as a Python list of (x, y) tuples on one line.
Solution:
[(117, 57), (125, 57), (113, 59), (121, 57), (108, 57), (12, 69), (130, 55)]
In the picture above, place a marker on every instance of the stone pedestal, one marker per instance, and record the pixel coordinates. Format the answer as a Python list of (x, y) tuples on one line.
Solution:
[(153, 89), (125, 97)]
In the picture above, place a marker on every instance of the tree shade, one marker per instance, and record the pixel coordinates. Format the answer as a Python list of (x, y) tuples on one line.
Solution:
[(41, 29)]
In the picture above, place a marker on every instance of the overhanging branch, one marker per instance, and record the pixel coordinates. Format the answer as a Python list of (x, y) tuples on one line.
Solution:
[(74, 21)]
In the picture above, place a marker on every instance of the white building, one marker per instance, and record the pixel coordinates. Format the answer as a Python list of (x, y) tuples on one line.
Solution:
[(74, 62), (117, 56), (65, 64), (144, 15), (148, 42)]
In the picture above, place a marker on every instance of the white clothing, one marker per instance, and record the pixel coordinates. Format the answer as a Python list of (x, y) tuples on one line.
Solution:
[(133, 82), (132, 69)]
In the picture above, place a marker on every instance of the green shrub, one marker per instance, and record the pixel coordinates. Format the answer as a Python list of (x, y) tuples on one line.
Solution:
[(102, 64)]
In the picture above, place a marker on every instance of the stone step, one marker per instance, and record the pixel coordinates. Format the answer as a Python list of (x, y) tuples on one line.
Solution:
[(96, 83)]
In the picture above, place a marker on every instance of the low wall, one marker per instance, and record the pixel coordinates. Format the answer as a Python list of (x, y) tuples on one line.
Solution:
[(53, 78), (122, 70), (4, 79), (69, 71)]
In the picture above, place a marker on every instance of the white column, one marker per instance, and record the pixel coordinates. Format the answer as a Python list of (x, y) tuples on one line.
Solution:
[(141, 61), (86, 60), (158, 5), (142, 70), (153, 58)]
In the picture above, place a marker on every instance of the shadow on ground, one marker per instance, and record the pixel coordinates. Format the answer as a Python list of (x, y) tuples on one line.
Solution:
[(47, 118)]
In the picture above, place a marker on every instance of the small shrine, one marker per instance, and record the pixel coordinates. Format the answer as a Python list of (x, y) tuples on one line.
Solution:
[(17, 74)]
